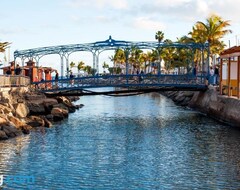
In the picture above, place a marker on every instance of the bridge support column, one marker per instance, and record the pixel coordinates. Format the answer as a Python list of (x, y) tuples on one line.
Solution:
[(67, 66), (97, 63), (62, 63), (94, 60)]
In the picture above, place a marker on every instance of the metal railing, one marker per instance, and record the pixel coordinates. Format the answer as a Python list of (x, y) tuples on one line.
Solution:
[(121, 81), (14, 81)]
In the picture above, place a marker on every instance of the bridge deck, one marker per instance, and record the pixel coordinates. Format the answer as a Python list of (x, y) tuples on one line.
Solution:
[(133, 82)]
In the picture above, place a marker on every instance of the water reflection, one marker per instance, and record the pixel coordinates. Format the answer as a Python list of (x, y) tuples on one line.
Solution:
[(141, 142)]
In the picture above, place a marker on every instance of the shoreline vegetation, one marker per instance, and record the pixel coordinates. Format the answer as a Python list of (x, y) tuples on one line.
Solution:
[(23, 110)]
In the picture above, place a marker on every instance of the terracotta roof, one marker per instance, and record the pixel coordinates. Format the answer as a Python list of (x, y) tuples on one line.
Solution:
[(232, 50)]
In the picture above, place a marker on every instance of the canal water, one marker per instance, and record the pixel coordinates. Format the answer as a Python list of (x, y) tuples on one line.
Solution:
[(135, 142)]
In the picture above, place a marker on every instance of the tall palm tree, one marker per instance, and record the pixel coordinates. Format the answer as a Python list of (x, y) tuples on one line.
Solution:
[(159, 36), (212, 32)]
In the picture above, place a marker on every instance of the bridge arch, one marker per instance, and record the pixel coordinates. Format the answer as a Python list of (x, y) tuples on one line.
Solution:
[(98, 47)]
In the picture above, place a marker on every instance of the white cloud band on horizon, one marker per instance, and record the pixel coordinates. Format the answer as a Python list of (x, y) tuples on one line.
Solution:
[(148, 24)]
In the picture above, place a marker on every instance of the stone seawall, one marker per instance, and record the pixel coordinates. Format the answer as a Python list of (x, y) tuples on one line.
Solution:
[(222, 108)]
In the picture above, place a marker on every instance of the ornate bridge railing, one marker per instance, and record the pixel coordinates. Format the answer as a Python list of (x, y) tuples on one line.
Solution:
[(125, 81), (14, 81)]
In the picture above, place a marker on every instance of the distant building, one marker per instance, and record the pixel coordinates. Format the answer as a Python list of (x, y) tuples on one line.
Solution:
[(35, 73)]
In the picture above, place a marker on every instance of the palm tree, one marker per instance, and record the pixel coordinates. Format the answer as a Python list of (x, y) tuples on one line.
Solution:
[(212, 32), (80, 66), (3, 46), (72, 64), (159, 36), (105, 66), (87, 69), (134, 58)]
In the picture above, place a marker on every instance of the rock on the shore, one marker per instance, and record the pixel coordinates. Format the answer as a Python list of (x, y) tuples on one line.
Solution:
[(3, 135), (11, 131), (59, 113), (22, 110), (35, 121)]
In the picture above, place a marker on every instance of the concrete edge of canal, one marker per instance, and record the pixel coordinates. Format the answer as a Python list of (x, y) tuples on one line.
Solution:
[(222, 108)]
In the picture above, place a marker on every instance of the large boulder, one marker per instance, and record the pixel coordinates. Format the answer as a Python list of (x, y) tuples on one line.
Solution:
[(35, 121), (41, 106), (22, 110), (67, 103), (48, 104), (15, 121), (35, 108), (11, 131), (59, 113)]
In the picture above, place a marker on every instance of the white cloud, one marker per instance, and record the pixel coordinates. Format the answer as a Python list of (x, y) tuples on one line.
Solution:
[(171, 3), (148, 24), (202, 7), (104, 19), (101, 4)]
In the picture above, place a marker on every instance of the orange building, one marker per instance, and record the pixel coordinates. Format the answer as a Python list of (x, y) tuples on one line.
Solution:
[(230, 71), (35, 73)]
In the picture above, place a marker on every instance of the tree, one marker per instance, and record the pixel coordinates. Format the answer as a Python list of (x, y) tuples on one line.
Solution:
[(72, 64), (159, 36), (212, 32), (87, 69), (105, 66), (80, 66), (3, 46)]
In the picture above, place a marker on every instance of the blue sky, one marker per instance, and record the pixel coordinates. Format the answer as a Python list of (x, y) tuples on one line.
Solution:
[(37, 23)]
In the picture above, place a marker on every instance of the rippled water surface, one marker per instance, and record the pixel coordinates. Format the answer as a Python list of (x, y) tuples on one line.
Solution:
[(137, 142)]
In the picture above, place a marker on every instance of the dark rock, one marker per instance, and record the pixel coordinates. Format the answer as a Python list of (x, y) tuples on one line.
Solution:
[(26, 129), (49, 117), (3, 135), (67, 103), (41, 106), (36, 108), (35, 121), (79, 106), (73, 98), (11, 131), (59, 113), (48, 124)]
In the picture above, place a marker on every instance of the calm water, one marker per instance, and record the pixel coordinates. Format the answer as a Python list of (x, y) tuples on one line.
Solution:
[(138, 142)]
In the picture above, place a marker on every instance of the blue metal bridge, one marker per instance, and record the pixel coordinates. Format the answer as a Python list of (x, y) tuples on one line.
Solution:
[(123, 84), (147, 82), (96, 48)]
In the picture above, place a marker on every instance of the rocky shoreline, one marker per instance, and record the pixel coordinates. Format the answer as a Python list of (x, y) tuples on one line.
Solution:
[(23, 110), (222, 108)]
